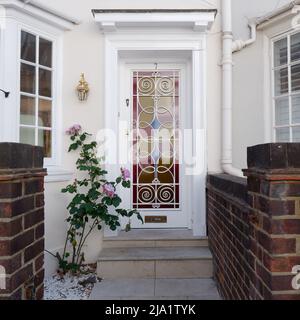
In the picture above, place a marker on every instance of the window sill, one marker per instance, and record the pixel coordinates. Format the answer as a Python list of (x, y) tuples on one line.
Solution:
[(57, 174)]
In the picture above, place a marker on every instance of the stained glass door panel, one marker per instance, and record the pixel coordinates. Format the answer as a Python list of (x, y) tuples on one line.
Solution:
[(156, 123)]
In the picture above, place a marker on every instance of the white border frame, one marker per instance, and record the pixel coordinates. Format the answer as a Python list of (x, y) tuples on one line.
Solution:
[(187, 41)]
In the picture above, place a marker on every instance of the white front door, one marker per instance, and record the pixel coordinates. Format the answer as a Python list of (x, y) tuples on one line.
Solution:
[(154, 112)]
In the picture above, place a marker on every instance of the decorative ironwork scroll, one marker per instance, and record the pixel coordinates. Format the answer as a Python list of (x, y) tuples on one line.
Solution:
[(156, 139)]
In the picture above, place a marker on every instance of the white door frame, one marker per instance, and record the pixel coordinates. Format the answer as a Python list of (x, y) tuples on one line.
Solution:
[(195, 43), (177, 218)]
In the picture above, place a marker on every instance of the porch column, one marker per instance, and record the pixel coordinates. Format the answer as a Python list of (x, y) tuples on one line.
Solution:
[(274, 198), (21, 222)]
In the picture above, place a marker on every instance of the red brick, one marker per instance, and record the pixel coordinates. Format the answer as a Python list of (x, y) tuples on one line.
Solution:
[(17, 295), (16, 208), (275, 207), (22, 241), (280, 264), (39, 278), (287, 297), (39, 200), (10, 229), (12, 264), (10, 190), (34, 186), (282, 283), (5, 247), (40, 293), (33, 218), (39, 231), (288, 226), (35, 250), (283, 246), (21, 277), (39, 263)]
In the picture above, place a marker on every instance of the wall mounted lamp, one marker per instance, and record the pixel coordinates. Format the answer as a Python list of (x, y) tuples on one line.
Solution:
[(82, 89), (6, 93)]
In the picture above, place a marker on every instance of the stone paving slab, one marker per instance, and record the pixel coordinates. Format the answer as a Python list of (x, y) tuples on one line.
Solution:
[(143, 254), (155, 289)]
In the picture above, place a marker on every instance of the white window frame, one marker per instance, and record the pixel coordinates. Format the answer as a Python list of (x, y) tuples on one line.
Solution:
[(14, 17), (36, 96), (286, 35)]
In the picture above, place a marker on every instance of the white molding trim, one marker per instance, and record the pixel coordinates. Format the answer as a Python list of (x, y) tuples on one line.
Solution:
[(188, 41), (57, 174), (41, 13), (197, 21)]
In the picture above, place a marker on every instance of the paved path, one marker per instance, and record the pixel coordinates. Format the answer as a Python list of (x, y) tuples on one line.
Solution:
[(155, 289)]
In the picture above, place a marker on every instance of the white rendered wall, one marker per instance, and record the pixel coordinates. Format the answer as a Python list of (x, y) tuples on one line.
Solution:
[(83, 52), (249, 69)]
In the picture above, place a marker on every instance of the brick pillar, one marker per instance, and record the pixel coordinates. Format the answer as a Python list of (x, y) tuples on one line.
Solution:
[(274, 197), (21, 221)]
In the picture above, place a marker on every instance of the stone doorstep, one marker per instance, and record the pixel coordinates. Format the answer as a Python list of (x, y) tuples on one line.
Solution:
[(154, 243), (149, 254), (155, 238), (155, 289), (152, 263), (155, 235)]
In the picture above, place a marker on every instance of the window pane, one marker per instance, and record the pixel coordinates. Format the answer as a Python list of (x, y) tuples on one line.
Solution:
[(45, 53), (44, 140), (296, 134), (295, 47), (27, 110), (27, 135), (27, 78), (281, 82), (296, 109), (295, 77), (282, 111), (283, 135), (280, 53), (45, 83), (45, 113), (28, 47)]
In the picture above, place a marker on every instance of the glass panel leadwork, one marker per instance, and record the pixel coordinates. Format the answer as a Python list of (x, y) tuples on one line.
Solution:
[(156, 124)]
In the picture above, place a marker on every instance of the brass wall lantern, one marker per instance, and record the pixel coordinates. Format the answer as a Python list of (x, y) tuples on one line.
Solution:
[(82, 89)]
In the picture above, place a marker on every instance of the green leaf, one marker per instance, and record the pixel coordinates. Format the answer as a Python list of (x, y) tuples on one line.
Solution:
[(73, 146), (107, 201), (118, 180), (126, 184), (116, 201)]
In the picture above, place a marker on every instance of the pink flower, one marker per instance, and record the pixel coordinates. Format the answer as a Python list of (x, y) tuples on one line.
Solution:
[(125, 173), (109, 190), (75, 129)]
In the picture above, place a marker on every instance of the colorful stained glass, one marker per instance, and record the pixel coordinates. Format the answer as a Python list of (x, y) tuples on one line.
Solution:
[(156, 125)]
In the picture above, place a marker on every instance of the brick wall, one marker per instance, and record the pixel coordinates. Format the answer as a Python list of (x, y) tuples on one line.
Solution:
[(254, 225), (228, 228), (22, 221)]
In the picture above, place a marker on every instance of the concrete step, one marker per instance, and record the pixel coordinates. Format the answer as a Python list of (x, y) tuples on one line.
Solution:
[(154, 239), (159, 262), (155, 289)]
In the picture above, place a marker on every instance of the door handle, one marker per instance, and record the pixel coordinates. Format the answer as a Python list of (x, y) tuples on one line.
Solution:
[(127, 102)]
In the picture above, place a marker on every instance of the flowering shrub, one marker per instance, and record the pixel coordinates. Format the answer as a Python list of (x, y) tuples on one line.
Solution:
[(95, 201)]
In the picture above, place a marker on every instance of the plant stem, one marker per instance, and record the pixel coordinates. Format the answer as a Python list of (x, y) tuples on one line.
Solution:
[(87, 235), (79, 245)]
